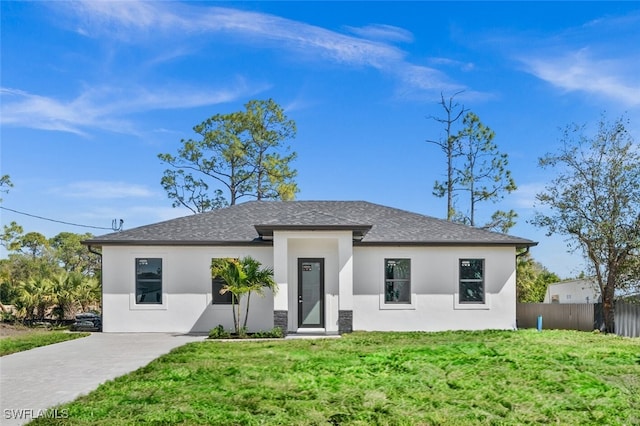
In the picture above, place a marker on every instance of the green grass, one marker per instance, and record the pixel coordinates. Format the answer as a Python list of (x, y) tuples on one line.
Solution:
[(34, 339), (451, 378)]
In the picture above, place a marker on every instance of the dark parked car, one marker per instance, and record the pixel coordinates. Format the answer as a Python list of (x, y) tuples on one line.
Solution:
[(87, 321)]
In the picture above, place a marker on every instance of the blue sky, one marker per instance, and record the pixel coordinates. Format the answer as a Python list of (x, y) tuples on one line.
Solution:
[(91, 92)]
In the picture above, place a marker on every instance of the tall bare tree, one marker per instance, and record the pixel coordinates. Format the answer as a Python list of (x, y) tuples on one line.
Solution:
[(595, 201), (449, 144)]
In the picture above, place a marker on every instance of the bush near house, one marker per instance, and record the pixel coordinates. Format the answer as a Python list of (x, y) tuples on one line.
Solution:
[(242, 278), (219, 332)]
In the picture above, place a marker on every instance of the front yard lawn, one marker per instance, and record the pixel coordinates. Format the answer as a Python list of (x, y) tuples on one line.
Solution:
[(450, 378), (33, 338)]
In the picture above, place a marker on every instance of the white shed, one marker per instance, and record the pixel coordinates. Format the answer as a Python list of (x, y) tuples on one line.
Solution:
[(573, 291)]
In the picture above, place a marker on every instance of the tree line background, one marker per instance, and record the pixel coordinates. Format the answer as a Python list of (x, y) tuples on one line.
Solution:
[(53, 278), (593, 200)]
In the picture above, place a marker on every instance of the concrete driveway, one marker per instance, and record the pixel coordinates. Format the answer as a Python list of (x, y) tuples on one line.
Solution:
[(34, 380)]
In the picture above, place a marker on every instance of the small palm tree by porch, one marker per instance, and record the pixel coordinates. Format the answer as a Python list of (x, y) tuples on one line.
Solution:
[(242, 278)]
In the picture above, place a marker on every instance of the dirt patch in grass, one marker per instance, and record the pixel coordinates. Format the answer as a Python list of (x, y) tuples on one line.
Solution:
[(17, 338), (9, 330)]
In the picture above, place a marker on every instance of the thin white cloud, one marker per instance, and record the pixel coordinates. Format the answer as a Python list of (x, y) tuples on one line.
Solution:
[(131, 21), (382, 32), (425, 78), (20, 108), (582, 71), (106, 107), (464, 66), (597, 58), (104, 190), (119, 19), (525, 196)]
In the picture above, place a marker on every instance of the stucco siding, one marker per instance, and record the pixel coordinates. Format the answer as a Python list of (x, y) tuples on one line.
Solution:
[(434, 286), (186, 290)]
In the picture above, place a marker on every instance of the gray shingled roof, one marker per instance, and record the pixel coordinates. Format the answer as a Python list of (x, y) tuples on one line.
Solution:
[(240, 224)]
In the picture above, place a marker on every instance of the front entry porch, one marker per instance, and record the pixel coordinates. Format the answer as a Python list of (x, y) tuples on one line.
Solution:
[(314, 272)]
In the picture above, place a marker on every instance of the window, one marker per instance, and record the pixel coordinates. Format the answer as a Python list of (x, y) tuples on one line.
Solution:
[(219, 299), (149, 281), (471, 280), (216, 285), (397, 281)]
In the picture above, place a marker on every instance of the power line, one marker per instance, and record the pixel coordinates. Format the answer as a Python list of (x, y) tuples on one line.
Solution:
[(113, 227)]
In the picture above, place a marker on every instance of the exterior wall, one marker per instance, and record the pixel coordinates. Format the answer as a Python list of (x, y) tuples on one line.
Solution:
[(434, 285), (187, 292), (575, 291), (186, 286)]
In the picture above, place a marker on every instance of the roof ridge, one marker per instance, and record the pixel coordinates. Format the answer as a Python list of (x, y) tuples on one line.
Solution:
[(237, 223)]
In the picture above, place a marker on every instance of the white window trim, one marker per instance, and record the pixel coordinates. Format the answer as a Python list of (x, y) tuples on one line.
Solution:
[(397, 306), (217, 306), (471, 306), (133, 305), (456, 293)]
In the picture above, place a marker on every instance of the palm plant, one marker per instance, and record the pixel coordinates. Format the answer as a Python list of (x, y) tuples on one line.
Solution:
[(35, 294), (87, 292), (242, 277), (257, 280), (64, 286), (25, 302)]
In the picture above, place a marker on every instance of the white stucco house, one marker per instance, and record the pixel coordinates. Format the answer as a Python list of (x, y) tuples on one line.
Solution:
[(339, 265)]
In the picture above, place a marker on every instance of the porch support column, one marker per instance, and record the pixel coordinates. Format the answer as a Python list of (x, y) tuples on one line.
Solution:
[(281, 298), (345, 289)]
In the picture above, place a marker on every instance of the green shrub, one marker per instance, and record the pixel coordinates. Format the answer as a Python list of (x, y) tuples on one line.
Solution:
[(219, 333), (7, 316), (274, 333)]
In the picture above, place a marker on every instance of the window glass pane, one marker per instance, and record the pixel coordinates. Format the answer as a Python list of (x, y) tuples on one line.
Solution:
[(398, 291), (471, 283), (220, 299), (471, 269), (397, 285), (472, 292), (398, 269), (149, 269), (149, 280), (216, 285)]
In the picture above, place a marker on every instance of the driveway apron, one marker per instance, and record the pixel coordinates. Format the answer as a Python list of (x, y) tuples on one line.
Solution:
[(35, 380)]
